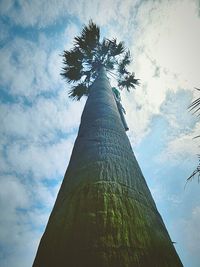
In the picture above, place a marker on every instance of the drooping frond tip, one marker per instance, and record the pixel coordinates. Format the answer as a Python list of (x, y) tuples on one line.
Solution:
[(128, 81), (78, 91), (196, 172), (82, 62), (89, 37), (195, 105)]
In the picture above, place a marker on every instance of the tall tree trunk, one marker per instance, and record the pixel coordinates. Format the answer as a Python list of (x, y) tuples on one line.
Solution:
[(104, 215)]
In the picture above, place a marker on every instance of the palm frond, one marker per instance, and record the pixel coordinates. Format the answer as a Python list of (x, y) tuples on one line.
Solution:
[(104, 48), (121, 69), (128, 81), (89, 38), (116, 49), (122, 64), (78, 91), (109, 63), (195, 172), (73, 57), (196, 137), (81, 43), (195, 106), (72, 74), (127, 58)]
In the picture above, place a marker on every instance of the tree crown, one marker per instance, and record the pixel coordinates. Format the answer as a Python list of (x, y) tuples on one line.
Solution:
[(89, 54)]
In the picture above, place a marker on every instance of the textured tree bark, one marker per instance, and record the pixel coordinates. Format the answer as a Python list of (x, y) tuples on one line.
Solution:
[(104, 215)]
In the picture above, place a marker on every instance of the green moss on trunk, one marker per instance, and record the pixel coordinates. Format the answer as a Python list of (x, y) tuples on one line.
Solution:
[(100, 225)]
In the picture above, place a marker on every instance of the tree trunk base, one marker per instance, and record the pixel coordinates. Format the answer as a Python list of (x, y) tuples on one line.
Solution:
[(102, 224)]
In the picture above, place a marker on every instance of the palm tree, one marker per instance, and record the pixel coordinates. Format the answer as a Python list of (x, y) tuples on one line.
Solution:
[(104, 215), (83, 62)]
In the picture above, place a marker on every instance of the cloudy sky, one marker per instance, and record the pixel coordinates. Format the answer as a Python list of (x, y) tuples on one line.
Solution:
[(39, 123)]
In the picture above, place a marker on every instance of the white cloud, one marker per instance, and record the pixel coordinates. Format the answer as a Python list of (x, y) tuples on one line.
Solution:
[(36, 131), (100, 11), (28, 68), (167, 37), (13, 196), (30, 13), (33, 159), (10, 186), (5, 5), (14, 254), (3, 32), (189, 236), (41, 14), (182, 148), (139, 113), (175, 110), (166, 58), (42, 121), (68, 36), (20, 224)]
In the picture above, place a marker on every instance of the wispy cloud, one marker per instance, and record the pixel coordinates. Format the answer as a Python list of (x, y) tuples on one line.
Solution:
[(36, 121), (182, 149), (166, 59), (41, 14), (190, 236), (28, 68)]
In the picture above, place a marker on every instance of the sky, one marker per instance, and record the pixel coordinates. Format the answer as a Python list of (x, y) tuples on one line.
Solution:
[(39, 123)]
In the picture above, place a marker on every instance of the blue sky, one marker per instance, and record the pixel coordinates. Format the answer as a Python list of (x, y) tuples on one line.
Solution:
[(39, 123)]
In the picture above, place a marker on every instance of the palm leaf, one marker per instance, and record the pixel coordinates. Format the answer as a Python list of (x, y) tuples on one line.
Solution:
[(121, 69), (72, 74), (104, 48), (109, 64), (73, 57), (89, 38), (195, 172), (126, 60), (81, 43), (78, 91), (116, 49), (128, 81), (195, 105)]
